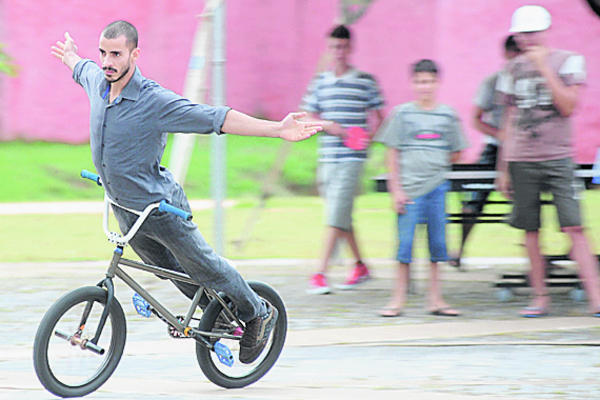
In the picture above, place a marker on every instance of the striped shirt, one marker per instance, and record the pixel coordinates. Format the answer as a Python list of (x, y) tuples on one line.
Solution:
[(346, 100)]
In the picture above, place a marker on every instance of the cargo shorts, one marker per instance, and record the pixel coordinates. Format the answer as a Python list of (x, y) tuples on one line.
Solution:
[(531, 178)]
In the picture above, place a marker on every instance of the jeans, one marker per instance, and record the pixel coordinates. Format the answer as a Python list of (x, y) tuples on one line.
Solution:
[(429, 209), (171, 242)]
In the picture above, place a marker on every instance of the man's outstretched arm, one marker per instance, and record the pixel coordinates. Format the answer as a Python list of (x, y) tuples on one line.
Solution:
[(290, 128), (66, 51), (331, 127)]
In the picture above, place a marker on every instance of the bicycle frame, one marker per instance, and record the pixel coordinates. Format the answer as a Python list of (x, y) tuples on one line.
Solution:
[(115, 269)]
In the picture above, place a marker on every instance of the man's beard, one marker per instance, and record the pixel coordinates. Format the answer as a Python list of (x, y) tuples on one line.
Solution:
[(120, 76)]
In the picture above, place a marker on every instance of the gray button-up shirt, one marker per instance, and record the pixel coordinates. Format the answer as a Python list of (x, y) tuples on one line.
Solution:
[(128, 136)]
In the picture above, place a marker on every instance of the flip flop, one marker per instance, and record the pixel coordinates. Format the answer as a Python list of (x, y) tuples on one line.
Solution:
[(534, 312), (390, 312), (445, 312)]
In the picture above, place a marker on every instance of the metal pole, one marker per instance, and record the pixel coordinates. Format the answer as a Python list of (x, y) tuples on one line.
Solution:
[(218, 142)]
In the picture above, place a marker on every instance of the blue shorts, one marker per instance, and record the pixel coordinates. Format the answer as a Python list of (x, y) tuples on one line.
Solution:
[(428, 209)]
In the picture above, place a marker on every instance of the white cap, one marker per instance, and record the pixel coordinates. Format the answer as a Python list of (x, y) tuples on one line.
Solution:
[(530, 19)]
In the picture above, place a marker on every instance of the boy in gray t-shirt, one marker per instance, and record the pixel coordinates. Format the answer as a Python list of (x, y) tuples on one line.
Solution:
[(423, 139)]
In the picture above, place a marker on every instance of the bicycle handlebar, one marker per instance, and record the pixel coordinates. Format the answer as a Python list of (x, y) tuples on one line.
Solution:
[(91, 176), (164, 206)]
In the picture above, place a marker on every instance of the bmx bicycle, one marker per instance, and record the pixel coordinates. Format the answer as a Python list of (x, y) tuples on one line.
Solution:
[(80, 339)]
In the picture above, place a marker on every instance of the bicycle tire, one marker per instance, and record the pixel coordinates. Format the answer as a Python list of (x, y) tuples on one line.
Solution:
[(64, 313), (225, 376)]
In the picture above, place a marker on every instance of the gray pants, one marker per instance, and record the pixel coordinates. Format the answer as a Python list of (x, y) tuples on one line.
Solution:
[(171, 242)]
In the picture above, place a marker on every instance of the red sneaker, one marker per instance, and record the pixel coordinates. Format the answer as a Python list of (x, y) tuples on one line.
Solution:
[(358, 274), (318, 284)]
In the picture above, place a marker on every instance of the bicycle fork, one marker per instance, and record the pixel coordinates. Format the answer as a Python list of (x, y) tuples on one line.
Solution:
[(92, 344)]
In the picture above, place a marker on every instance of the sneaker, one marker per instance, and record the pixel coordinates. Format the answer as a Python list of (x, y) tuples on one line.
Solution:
[(318, 284), (358, 274), (256, 335)]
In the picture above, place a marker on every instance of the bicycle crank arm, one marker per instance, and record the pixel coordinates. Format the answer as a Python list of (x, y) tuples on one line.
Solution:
[(84, 344)]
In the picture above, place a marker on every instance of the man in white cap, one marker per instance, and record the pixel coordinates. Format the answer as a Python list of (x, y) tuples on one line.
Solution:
[(540, 88)]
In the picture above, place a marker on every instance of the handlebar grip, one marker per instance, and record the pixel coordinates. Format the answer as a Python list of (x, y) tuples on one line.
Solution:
[(91, 176), (166, 207)]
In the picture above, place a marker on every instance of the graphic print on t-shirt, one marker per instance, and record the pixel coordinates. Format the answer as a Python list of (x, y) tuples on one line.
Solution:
[(531, 93), (434, 130)]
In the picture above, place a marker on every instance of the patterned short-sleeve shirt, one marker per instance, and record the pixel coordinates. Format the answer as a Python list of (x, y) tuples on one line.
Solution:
[(539, 132), (347, 100)]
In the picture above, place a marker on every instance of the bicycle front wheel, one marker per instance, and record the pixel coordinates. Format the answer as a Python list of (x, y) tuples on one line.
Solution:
[(66, 363), (237, 374)]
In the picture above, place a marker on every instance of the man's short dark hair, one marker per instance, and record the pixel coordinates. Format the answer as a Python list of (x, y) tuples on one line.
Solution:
[(510, 44), (340, 32), (425, 65), (118, 28)]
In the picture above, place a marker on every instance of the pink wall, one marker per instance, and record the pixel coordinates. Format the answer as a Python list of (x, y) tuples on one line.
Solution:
[(468, 47), (272, 51), (42, 102)]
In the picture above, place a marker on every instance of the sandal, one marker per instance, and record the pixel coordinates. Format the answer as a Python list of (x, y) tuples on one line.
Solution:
[(534, 312), (445, 312), (390, 312)]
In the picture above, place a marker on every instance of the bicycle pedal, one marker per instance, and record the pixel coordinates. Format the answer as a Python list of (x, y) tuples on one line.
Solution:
[(223, 354), (141, 306)]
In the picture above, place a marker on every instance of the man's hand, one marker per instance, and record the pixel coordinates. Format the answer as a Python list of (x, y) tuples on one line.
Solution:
[(538, 55), (564, 97), (292, 129), (66, 51), (503, 184), (399, 201), (335, 129)]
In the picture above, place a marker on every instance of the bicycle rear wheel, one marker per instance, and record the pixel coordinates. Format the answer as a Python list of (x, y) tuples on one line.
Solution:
[(238, 374), (63, 363)]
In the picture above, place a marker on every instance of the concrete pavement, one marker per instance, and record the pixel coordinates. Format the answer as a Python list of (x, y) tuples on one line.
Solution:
[(337, 346)]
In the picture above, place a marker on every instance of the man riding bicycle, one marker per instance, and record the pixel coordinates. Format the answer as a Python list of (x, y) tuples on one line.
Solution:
[(129, 118)]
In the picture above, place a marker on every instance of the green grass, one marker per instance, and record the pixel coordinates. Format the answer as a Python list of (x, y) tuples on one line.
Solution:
[(288, 227), (40, 171), (291, 224)]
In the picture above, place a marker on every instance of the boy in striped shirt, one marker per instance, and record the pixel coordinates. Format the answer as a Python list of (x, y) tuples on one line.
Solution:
[(342, 98)]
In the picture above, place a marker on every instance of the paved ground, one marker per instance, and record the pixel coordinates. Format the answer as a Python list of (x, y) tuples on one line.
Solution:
[(337, 346)]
